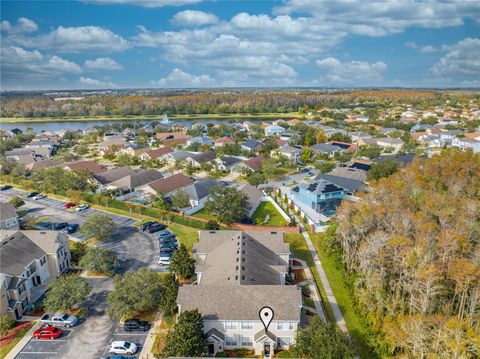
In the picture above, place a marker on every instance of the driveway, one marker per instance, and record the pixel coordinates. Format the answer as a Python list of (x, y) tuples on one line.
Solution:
[(134, 249)]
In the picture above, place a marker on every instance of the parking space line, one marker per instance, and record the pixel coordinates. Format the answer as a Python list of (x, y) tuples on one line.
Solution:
[(38, 353), (141, 334), (48, 341)]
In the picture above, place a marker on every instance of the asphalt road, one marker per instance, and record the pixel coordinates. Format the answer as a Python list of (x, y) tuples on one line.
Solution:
[(93, 336)]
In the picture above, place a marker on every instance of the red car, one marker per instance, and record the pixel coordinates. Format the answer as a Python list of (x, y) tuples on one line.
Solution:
[(69, 205), (48, 332)]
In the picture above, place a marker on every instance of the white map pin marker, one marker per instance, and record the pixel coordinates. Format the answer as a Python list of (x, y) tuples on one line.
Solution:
[(266, 316)]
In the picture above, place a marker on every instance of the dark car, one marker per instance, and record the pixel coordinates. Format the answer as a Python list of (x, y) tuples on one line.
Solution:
[(72, 228), (32, 194), (60, 226), (131, 325), (156, 227), (4, 188), (168, 246), (147, 225)]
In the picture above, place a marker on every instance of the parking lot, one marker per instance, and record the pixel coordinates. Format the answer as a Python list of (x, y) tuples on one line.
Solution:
[(134, 249)]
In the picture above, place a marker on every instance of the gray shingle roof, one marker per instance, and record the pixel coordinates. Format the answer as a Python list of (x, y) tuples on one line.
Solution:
[(200, 189), (16, 252), (138, 179), (350, 185), (113, 175), (7, 211), (204, 156)]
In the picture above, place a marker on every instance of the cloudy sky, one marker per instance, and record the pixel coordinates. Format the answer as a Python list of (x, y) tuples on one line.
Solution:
[(195, 43)]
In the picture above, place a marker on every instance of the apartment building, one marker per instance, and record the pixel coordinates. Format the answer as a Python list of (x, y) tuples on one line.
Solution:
[(238, 273), (29, 261)]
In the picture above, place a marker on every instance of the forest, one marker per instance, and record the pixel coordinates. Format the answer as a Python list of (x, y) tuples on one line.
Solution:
[(209, 103), (411, 250)]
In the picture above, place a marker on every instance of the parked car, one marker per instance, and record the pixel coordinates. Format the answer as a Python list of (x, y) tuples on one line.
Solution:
[(156, 227), (123, 347), (134, 324), (82, 207), (147, 225), (60, 226), (31, 194), (119, 357), (165, 234), (4, 188), (171, 245), (72, 228), (60, 319), (39, 196), (165, 257), (69, 205), (47, 332)]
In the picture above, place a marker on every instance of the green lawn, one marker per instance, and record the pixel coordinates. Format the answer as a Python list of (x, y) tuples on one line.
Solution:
[(335, 275), (267, 208), (186, 235), (19, 335), (203, 214), (300, 250)]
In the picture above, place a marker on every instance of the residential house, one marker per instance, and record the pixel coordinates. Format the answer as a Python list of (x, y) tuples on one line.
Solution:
[(113, 144), (326, 148), (89, 166), (200, 158), (89, 130), (104, 179), (227, 163), (254, 164), (293, 122), (198, 191), (254, 196), (273, 130), (44, 148), (291, 152), (38, 163), (136, 180), (224, 140), (175, 156), (201, 140), (386, 142), (29, 261), (172, 138), (358, 135), (465, 143), (402, 160), (252, 145), (156, 154), (131, 149), (8, 216), (290, 135), (239, 273), (168, 185), (12, 133), (474, 135)]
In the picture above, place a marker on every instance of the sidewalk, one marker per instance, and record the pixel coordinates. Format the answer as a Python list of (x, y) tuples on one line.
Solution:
[(314, 295), (147, 352), (18, 348)]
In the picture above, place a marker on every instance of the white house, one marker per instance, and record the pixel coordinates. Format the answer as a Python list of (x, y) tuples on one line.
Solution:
[(273, 130), (466, 143), (8, 216), (239, 273)]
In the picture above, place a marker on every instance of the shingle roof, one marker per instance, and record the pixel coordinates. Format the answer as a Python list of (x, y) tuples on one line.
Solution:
[(229, 160), (7, 211), (204, 156), (16, 252), (325, 147), (137, 179), (253, 144), (113, 175), (158, 152), (200, 189), (255, 163), (253, 194), (350, 185), (90, 166), (172, 183)]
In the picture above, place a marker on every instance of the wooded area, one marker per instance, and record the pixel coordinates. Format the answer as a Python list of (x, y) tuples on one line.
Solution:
[(412, 251), (254, 103)]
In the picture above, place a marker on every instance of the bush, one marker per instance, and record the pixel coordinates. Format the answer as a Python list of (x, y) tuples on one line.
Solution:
[(212, 225), (221, 355), (6, 323)]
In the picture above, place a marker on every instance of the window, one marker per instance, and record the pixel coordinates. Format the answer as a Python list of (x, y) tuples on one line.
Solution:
[(230, 341), (247, 325), (25, 303), (42, 261), (285, 325), (21, 289), (247, 342), (284, 341), (230, 325)]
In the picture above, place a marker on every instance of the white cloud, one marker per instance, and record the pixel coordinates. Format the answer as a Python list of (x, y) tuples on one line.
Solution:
[(462, 61), (194, 18), (96, 83), (179, 78), (18, 63), (75, 40), (353, 72), (102, 64), (424, 49), (145, 3), (378, 18), (23, 25)]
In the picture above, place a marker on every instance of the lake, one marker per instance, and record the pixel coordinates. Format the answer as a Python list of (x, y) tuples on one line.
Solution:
[(80, 125)]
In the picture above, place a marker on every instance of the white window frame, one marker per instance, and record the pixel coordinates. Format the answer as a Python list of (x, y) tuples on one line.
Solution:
[(284, 342), (284, 326), (248, 343), (230, 340), (230, 325), (247, 325)]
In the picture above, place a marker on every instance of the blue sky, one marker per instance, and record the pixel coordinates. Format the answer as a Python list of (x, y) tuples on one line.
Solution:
[(195, 43)]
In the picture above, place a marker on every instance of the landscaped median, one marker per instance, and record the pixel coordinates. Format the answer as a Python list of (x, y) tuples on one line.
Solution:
[(13, 337)]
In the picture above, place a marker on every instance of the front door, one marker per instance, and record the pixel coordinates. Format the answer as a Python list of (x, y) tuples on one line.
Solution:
[(17, 314), (267, 350), (211, 349)]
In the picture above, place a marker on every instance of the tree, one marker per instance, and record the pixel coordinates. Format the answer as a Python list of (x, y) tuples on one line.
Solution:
[(212, 225), (6, 323), (65, 292), (135, 291), (382, 169), (181, 199), (321, 137), (99, 226), (227, 204), (186, 339), (17, 202), (256, 179), (168, 301), (77, 251), (98, 260), (322, 339), (326, 166), (370, 151), (340, 137), (182, 263)]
